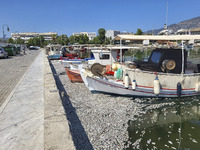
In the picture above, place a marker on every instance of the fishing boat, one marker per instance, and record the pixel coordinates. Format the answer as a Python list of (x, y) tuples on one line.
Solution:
[(166, 74), (73, 73), (105, 56), (66, 62), (54, 51)]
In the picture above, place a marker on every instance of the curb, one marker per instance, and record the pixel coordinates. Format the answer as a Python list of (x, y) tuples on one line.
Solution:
[(56, 128)]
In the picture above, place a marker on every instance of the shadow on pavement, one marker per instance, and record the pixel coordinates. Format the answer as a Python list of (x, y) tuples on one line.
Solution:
[(79, 136)]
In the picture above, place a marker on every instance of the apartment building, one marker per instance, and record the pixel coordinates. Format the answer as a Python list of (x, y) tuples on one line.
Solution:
[(28, 35), (91, 35), (111, 33), (192, 31)]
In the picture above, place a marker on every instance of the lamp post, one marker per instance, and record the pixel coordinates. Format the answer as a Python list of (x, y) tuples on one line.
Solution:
[(3, 31)]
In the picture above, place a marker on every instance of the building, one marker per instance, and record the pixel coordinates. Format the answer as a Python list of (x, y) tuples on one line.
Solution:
[(28, 35), (125, 32), (91, 35), (193, 31), (111, 33)]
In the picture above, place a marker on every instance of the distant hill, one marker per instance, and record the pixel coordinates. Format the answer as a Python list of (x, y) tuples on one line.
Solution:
[(187, 24)]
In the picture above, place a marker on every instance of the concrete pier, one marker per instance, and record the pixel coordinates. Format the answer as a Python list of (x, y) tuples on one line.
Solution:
[(32, 116)]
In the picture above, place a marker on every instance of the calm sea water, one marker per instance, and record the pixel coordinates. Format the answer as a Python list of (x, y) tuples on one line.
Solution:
[(174, 124), (167, 124)]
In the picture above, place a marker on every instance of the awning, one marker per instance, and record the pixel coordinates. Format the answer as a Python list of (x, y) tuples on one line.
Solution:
[(157, 37)]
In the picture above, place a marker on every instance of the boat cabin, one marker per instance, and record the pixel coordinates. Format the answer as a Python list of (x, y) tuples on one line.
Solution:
[(106, 56), (53, 49), (165, 60)]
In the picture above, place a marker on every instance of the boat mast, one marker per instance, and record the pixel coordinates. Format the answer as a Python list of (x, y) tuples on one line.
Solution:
[(121, 51), (166, 14), (182, 72), (110, 55)]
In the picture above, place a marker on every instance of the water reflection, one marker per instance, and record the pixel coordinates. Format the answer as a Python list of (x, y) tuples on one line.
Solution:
[(174, 125)]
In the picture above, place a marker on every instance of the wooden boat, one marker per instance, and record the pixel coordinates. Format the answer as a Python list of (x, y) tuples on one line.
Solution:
[(166, 74), (73, 75)]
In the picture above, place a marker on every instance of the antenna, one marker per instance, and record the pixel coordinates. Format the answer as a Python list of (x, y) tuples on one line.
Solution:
[(166, 14)]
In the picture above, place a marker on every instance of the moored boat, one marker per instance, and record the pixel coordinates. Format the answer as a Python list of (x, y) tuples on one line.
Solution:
[(73, 75), (165, 74), (103, 56), (54, 51)]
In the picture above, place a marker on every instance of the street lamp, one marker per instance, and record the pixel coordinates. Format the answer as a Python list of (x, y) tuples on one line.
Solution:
[(3, 31)]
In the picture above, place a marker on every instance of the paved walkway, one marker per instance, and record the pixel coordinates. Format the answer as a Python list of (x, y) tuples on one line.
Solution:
[(12, 70), (22, 120)]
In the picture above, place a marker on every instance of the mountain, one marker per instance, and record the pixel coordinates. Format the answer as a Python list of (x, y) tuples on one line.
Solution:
[(187, 24)]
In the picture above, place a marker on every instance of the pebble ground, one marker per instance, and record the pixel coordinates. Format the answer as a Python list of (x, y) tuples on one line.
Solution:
[(97, 121)]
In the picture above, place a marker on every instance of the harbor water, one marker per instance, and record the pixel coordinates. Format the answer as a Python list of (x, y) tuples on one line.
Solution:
[(174, 124)]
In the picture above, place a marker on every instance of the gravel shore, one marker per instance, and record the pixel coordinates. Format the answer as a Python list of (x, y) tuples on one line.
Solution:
[(97, 121), (100, 121)]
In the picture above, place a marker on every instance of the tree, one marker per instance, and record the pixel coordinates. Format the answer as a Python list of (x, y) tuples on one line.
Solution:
[(101, 35), (54, 38), (83, 39), (96, 40), (139, 32), (30, 42), (37, 41), (63, 39), (10, 40), (20, 41), (86, 39), (72, 39)]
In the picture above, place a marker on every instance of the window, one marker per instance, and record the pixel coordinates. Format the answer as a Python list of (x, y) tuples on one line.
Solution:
[(155, 57), (104, 56)]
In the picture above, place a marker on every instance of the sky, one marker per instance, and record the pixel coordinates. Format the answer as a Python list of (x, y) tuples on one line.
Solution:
[(69, 16)]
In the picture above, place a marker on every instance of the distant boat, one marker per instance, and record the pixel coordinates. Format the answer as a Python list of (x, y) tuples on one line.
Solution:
[(54, 51)]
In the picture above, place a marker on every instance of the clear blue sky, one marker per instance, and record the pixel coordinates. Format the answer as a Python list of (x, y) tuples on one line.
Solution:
[(68, 16)]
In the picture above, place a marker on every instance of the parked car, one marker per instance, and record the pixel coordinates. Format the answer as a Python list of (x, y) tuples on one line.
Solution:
[(34, 48), (3, 53)]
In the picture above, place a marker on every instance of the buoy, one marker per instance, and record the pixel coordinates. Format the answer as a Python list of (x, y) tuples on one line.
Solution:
[(179, 89), (119, 66), (115, 66), (134, 85), (197, 87), (156, 86), (119, 73), (115, 74), (126, 81)]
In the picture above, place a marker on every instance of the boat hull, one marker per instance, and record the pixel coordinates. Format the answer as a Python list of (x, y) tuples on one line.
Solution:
[(74, 75), (96, 84)]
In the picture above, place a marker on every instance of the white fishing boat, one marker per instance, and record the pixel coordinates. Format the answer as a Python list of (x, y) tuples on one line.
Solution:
[(54, 51), (166, 74), (105, 56)]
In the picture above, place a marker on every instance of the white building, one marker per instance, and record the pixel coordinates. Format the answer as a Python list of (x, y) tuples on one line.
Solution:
[(193, 31), (28, 35), (111, 33), (91, 35)]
